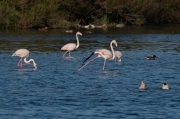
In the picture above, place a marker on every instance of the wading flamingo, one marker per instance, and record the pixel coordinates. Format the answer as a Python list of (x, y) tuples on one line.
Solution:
[(106, 54), (24, 53), (118, 55), (71, 46)]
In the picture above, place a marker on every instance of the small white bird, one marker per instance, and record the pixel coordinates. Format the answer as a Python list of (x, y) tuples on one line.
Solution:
[(165, 86)]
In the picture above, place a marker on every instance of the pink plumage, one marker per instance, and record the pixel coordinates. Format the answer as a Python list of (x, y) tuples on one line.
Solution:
[(71, 46), (24, 53)]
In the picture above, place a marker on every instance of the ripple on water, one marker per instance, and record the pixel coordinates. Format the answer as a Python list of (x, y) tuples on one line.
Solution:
[(58, 90)]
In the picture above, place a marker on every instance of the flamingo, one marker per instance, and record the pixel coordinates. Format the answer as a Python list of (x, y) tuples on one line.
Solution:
[(24, 53), (71, 46), (106, 54), (118, 55)]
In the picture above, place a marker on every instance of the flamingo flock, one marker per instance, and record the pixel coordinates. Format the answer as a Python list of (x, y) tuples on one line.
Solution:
[(103, 53)]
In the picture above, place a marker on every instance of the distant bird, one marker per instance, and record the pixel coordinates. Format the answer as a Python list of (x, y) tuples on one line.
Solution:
[(69, 31), (120, 25), (43, 29), (151, 57), (165, 86), (118, 55), (106, 54), (71, 46), (24, 53), (89, 31), (142, 86)]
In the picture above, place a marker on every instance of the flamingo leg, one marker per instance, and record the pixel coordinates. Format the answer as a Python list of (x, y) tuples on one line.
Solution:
[(104, 64), (20, 62), (119, 60), (88, 63), (69, 54), (65, 53)]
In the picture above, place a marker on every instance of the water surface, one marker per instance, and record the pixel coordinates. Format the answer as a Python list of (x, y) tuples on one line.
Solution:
[(58, 90)]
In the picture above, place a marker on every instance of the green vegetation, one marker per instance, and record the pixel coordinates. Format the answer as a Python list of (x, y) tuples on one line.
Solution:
[(21, 14)]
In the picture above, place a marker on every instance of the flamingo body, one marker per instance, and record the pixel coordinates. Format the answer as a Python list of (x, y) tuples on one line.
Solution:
[(24, 53), (71, 46), (106, 54)]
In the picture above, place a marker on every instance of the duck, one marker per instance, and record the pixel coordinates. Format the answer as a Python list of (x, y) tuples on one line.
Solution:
[(142, 86), (43, 29), (89, 31), (151, 57), (69, 31), (165, 86)]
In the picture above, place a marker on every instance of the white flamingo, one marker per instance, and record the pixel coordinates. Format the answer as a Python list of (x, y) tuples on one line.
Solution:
[(24, 53), (106, 54), (71, 46)]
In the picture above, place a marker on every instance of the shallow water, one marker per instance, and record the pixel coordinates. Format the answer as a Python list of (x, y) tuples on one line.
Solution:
[(58, 90)]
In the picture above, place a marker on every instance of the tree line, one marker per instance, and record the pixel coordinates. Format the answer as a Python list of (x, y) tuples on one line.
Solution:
[(23, 14)]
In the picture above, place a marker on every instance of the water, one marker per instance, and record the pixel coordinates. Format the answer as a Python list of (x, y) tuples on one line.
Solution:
[(57, 90)]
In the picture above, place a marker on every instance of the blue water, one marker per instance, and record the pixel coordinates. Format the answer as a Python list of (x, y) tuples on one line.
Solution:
[(57, 90)]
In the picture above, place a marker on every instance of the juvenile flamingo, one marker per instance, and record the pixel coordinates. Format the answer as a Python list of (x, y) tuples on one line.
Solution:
[(71, 46), (118, 55), (106, 54), (24, 53)]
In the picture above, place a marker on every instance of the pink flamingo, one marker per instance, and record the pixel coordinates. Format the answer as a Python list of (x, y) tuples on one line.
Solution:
[(24, 53), (71, 46), (106, 54), (118, 55)]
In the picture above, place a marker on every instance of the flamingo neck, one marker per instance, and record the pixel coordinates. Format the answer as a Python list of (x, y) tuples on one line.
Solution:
[(112, 51), (100, 54), (77, 41), (34, 64)]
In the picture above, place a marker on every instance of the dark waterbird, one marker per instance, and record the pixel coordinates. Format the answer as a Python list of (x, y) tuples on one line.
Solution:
[(151, 57)]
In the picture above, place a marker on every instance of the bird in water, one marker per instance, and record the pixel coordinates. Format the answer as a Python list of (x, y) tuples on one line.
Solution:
[(24, 53), (71, 46), (104, 53), (118, 56), (165, 86), (151, 57), (43, 29), (142, 86)]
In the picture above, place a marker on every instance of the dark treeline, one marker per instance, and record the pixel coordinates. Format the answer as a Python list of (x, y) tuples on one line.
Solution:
[(21, 14)]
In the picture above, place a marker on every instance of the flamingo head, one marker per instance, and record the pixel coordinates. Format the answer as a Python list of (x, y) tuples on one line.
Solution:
[(79, 33), (35, 66), (114, 41)]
